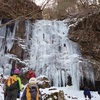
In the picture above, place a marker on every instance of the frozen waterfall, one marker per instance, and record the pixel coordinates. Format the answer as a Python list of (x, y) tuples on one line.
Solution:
[(7, 36), (54, 55), (49, 50)]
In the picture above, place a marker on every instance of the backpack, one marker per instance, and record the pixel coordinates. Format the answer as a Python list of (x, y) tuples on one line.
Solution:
[(12, 83), (32, 92)]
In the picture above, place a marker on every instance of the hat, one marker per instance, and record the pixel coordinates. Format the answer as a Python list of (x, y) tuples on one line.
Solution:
[(32, 81), (16, 71)]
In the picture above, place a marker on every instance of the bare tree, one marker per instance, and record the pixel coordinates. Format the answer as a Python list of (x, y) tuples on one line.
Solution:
[(61, 8)]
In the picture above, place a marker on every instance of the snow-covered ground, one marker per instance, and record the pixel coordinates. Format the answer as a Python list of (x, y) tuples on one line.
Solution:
[(70, 93), (73, 94)]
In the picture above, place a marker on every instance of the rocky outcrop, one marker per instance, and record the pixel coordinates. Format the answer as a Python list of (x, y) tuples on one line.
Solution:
[(54, 94), (24, 9), (43, 82), (87, 34), (19, 41)]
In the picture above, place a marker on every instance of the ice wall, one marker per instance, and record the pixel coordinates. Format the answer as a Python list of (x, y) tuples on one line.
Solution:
[(6, 43), (51, 52), (54, 55)]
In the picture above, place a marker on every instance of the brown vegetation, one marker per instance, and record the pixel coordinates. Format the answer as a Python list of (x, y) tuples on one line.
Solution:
[(20, 9), (62, 9)]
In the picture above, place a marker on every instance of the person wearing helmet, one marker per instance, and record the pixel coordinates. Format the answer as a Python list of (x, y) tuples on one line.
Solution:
[(13, 86), (31, 91), (30, 74)]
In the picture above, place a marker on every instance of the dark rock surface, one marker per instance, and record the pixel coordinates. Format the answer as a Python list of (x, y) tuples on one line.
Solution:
[(86, 33)]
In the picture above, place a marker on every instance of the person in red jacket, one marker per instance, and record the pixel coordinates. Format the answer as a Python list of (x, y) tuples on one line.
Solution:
[(30, 74)]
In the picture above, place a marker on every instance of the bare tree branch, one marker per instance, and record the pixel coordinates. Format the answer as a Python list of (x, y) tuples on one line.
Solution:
[(44, 4)]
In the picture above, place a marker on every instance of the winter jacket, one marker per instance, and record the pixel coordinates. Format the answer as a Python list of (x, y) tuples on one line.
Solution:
[(87, 92), (18, 85), (31, 93), (12, 92)]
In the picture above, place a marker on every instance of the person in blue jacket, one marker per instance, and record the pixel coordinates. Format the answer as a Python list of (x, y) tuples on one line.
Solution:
[(87, 93)]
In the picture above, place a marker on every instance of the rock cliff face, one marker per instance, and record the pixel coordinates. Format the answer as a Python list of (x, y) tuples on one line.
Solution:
[(23, 9), (87, 34)]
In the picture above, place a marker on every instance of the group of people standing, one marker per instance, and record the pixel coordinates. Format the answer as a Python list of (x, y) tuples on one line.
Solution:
[(13, 86)]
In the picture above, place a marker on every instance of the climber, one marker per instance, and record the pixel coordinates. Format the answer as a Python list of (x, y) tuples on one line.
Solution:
[(31, 91), (87, 93), (13, 86), (30, 74)]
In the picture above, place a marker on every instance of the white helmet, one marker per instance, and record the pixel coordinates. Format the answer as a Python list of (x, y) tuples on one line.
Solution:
[(32, 80)]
